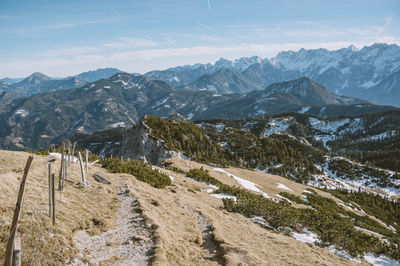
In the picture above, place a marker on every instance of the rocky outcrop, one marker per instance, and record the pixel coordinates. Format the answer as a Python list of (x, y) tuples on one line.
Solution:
[(138, 145)]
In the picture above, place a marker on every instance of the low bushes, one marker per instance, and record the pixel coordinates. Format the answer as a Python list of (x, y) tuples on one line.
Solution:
[(325, 219), (140, 170)]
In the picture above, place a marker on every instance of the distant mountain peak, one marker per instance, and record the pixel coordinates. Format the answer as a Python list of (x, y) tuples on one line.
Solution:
[(36, 76), (101, 73)]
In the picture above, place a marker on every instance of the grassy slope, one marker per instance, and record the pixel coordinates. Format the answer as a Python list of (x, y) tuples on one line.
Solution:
[(177, 230)]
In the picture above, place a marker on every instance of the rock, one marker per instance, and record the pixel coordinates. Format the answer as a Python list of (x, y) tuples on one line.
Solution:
[(138, 145)]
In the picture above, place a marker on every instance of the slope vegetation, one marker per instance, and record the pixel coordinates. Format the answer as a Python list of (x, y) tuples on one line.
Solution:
[(179, 224)]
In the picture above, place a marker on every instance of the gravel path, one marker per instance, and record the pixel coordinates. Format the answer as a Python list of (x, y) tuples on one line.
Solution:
[(131, 242), (211, 251)]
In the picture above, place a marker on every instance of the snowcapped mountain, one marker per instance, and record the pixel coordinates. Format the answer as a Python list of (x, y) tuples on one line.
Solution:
[(34, 78), (347, 71), (223, 81), (124, 98), (38, 82), (185, 75), (101, 73), (368, 73)]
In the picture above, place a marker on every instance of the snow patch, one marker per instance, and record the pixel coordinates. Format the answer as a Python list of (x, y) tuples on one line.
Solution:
[(282, 186), (223, 196), (58, 155), (21, 113), (304, 109), (306, 237), (244, 183), (380, 260), (119, 124)]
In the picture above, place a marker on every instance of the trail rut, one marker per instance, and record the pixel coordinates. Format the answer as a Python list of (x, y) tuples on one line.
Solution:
[(211, 250), (131, 242)]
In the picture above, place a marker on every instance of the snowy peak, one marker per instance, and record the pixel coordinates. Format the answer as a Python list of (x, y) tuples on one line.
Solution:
[(35, 78), (223, 63)]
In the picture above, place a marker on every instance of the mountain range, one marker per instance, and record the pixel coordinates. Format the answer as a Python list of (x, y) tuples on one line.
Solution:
[(39, 83), (124, 98), (371, 73)]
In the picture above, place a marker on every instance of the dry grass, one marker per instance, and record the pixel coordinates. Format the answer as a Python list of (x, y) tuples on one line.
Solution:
[(178, 239), (91, 208)]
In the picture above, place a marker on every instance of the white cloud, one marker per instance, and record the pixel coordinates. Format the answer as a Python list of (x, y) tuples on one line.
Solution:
[(149, 59), (209, 38), (128, 42), (70, 51), (204, 26)]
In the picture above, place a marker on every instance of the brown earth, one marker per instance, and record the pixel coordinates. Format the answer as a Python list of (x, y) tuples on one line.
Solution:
[(186, 224)]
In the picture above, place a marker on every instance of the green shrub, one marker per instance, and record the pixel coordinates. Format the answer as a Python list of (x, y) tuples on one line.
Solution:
[(324, 219), (140, 170)]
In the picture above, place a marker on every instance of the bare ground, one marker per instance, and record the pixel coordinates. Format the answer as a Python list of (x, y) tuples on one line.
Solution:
[(112, 222), (211, 250), (131, 242)]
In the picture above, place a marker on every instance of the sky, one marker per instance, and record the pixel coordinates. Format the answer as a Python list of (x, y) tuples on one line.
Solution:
[(62, 38)]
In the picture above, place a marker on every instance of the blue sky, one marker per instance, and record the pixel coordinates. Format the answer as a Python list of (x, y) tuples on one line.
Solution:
[(61, 38)]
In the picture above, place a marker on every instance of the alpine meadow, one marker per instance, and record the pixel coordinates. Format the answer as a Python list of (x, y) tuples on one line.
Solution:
[(200, 132)]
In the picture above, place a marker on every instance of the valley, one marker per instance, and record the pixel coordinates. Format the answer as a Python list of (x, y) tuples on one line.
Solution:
[(292, 159)]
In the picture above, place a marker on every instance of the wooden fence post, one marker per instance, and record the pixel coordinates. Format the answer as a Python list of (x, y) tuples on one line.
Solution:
[(87, 160), (73, 149), (50, 195), (64, 174), (82, 169), (18, 207), (69, 156), (17, 252), (53, 197), (62, 166)]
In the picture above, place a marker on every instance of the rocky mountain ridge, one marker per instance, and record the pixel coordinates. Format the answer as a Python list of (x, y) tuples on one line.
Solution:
[(365, 73), (124, 98), (39, 83)]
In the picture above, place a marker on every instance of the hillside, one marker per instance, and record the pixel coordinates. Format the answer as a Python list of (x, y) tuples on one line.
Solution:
[(183, 223), (223, 81), (124, 99), (369, 138), (154, 140)]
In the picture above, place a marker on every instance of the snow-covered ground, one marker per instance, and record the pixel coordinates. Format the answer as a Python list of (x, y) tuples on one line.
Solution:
[(244, 183), (279, 125), (58, 155), (381, 260), (306, 237), (304, 109), (223, 196), (367, 183), (282, 186)]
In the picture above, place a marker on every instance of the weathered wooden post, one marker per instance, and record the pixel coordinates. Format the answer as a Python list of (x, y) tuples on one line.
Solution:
[(50, 195), (60, 176), (64, 174), (17, 252), (18, 207), (82, 169), (69, 155), (53, 197), (87, 160), (73, 150)]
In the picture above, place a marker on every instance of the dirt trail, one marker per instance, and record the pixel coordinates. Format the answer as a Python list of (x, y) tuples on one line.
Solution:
[(129, 243), (211, 251)]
